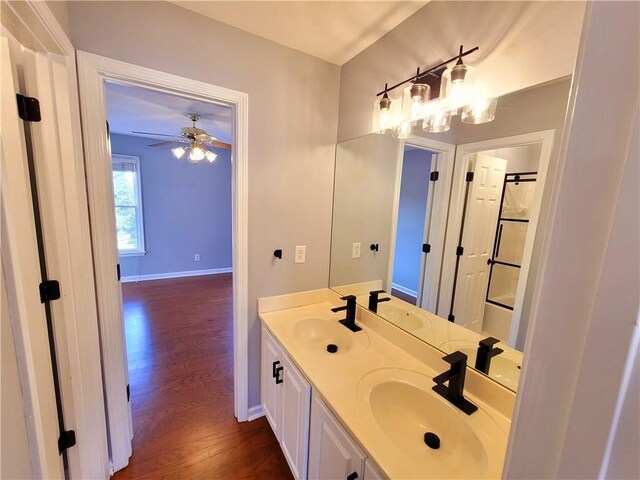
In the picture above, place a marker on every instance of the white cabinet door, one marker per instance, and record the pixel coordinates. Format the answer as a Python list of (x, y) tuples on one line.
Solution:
[(333, 455), (294, 433), (371, 472), (270, 391)]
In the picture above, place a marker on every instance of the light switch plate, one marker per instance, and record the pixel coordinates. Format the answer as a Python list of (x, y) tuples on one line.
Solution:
[(196, 257), (301, 253), (355, 250)]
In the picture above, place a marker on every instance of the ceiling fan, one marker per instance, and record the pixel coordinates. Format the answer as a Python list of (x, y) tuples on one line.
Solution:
[(198, 142)]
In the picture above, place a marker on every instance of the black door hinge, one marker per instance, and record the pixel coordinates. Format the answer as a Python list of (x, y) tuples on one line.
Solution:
[(49, 290), (426, 248), (128, 393), (469, 177), (459, 251), (434, 176), (118, 270), (108, 130), (28, 108), (67, 440), (451, 317)]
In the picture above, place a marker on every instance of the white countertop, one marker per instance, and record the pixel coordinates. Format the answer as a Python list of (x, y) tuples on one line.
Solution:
[(336, 378)]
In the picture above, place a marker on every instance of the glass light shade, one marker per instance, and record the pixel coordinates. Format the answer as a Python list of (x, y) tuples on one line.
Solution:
[(384, 120), (480, 111), (459, 93), (438, 122), (414, 99), (178, 152), (211, 156), (196, 154), (404, 130)]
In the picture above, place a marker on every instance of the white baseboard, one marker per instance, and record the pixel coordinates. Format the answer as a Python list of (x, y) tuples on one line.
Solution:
[(402, 289), (255, 413), (161, 276)]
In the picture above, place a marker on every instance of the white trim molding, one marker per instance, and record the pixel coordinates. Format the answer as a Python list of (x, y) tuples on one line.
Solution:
[(93, 72), (405, 290), (255, 413), (163, 276)]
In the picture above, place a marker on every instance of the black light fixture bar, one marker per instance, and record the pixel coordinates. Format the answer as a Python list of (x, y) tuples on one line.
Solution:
[(429, 71)]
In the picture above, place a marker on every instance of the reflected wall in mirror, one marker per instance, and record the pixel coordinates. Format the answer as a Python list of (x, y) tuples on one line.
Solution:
[(458, 219)]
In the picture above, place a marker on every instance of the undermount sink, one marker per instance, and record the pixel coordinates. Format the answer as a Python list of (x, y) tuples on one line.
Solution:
[(401, 317), (503, 368), (323, 335), (404, 408)]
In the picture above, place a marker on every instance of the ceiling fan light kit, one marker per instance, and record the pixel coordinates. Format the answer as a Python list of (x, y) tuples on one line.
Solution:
[(198, 140)]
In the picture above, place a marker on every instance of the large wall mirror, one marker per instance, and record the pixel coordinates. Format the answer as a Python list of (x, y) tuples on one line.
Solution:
[(450, 226)]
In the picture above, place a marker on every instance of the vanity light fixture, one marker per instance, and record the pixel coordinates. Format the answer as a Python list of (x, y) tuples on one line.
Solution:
[(455, 95)]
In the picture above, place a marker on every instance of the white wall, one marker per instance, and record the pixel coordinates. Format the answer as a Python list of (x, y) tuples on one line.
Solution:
[(521, 44), (293, 107), (587, 310), (15, 456)]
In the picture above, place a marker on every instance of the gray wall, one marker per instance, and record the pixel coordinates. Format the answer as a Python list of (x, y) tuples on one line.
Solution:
[(414, 187), (365, 183), (186, 210), (293, 108), (15, 456)]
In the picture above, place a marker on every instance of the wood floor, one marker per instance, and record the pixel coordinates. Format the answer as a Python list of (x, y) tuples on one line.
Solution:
[(180, 356)]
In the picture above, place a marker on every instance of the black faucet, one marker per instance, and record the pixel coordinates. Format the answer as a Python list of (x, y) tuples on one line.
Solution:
[(374, 300), (350, 307), (453, 393), (486, 352)]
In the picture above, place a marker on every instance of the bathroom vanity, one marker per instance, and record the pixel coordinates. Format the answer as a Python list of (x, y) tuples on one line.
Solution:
[(359, 405)]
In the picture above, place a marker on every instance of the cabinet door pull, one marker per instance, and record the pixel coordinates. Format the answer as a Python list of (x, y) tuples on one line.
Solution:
[(274, 368), (353, 476), (278, 370)]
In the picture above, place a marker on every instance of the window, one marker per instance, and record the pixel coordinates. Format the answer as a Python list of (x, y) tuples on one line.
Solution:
[(128, 203)]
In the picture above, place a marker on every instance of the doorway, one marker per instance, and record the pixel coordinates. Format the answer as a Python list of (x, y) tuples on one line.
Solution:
[(94, 73), (497, 195)]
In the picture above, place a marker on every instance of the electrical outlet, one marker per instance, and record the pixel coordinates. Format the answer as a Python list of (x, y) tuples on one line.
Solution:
[(196, 257), (301, 253), (355, 250)]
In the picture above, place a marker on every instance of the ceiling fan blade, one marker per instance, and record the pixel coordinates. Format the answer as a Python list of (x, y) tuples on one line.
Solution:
[(215, 143), (157, 134), (170, 142)]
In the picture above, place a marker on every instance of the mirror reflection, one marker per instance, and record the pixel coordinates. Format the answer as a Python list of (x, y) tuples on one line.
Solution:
[(440, 233)]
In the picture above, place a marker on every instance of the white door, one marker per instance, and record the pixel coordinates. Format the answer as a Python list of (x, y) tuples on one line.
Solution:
[(270, 391), (20, 263), (332, 452), (482, 210), (296, 397)]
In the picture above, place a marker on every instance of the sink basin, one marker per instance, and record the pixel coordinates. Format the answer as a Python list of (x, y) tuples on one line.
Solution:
[(317, 334), (401, 317), (504, 369), (404, 408)]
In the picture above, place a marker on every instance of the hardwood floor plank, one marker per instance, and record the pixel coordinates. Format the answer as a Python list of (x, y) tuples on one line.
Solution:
[(179, 336)]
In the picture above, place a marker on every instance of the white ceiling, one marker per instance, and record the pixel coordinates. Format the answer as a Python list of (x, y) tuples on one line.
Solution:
[(139, 109), (334, 31)]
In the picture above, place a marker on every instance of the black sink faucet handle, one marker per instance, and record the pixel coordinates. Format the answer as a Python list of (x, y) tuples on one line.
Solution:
[(454, 391), (486, 351), (350, 307), (374, 300)]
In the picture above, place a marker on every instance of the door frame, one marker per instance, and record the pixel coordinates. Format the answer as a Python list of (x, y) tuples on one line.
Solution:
[(546, 139), (439, 211), (93, 71)]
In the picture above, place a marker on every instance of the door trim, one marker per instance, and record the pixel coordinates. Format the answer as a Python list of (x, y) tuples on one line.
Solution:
[(93, 71), (546, 139), (440, 209)]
